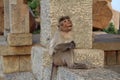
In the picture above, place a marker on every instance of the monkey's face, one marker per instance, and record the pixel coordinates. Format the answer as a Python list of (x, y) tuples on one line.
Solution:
[(66, 25)]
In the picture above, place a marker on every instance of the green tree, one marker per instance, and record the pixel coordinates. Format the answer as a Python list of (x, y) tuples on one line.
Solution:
[(111, 29)]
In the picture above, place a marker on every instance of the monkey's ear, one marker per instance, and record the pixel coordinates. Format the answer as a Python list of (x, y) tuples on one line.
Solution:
[(73, 42), (58, 26)]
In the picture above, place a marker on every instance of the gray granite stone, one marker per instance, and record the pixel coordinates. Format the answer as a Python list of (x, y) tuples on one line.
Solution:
[(20, 76), (90, 74), (91, 57), (41, 63)]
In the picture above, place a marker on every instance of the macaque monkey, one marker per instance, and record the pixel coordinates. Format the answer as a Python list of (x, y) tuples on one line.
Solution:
[(63, 52), (63, 56)]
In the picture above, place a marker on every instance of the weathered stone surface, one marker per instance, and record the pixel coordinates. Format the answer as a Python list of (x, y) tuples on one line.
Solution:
[(90, 74), (20, 76), (8, 50), (52, 10), (6, 17), (110, 57), (10, 64), (116, 19), (41, 63), (1, 69), (1, 20), (19, 14), (102, 13), (106, 42), (25, 63), (19, 39), (91, 57), (16, 63), (118, 58)]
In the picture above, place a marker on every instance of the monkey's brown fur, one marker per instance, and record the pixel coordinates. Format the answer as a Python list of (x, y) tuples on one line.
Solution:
[(63, 56)]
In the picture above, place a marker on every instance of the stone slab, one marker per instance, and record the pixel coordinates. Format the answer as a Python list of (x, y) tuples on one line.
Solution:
[(41, 63), (19, 39), (13, 64), (25, 63), (111, 58), (90, 74), (106, 41), (90, 57), (80, 12), (8, 50), (20, 76), (10, 64), (19, 17)]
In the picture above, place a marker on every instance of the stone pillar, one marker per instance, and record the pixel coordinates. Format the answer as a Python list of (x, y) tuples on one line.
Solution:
[(6, 18), (1, 17), (80, 12), (16, 54), (41, 63), (19, 22)]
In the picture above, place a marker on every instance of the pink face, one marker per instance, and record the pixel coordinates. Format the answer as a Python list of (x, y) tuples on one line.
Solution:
[(66, 25)]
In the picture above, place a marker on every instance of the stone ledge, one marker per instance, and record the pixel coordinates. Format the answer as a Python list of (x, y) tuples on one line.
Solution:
[(20, 76), (90, 74), (106, 45), (8, 50), (41, 63), (91, 57), (17, 39)]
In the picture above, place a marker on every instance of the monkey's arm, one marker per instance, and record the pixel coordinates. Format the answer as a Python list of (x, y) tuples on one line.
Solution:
[(53, 43), (64, 46)]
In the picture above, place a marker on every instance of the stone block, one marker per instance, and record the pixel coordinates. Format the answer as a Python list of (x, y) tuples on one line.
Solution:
[(106, 41), (16, 63), (19, 17), (91, 57), (8, 50), (25, 63), (110, 57), (90, 74), (20, 76), (115, 19), (19, 39), (10, 64), (51, 11), (41, 63)]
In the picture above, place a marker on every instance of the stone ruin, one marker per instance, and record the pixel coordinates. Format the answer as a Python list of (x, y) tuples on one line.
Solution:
[(23, 60)]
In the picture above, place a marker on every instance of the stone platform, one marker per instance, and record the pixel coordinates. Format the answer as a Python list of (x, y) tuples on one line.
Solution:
[(90, 74), (106, 41)]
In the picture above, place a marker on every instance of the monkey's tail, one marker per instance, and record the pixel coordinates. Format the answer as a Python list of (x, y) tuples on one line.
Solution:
[(53, 72)]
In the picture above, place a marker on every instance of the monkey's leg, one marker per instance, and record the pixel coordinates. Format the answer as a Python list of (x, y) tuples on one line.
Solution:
[(79, 66)]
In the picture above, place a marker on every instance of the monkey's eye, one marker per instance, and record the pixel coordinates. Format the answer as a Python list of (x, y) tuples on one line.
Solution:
[(64, 20)]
